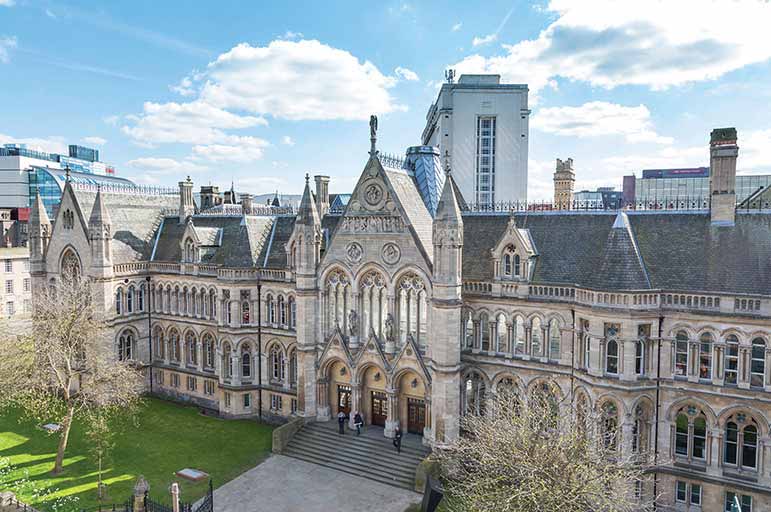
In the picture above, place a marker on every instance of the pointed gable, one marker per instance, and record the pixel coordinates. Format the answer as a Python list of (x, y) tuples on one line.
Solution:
[(621, 266)]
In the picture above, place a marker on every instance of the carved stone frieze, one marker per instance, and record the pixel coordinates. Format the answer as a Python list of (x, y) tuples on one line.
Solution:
[(372, 224)]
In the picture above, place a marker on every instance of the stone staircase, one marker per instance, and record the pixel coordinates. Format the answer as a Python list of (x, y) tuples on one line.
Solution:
[(369, 455)]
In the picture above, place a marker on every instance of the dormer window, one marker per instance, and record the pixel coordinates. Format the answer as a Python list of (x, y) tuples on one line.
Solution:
[(514, 254), (189, 255), (512, 263)]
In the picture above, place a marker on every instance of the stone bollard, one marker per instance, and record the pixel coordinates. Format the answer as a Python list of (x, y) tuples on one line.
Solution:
[(175, 497), (140, 491)]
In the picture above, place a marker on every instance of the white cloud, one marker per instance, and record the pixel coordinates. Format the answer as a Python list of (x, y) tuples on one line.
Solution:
[(7, 3), (196, 122), (457, 26), (287, 140), (111, 120), (297, 80), (7, 43), (754, 155), (54, 144), (608, 43), (481, 41), (96, 141), (184, 87), (599, 118), (290, 35), (235, 149), (406, 74), (50, 14)]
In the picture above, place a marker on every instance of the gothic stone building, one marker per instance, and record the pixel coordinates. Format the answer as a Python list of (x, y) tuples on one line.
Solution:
[(411, 309)]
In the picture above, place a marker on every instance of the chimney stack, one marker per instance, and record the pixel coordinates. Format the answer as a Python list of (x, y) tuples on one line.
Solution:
[(322, 194), (246, 203), (210, 197), (564, 182), (186, 204), (723, 151)]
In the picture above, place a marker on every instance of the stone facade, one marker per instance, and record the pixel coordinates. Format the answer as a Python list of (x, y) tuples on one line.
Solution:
[(660, 320)]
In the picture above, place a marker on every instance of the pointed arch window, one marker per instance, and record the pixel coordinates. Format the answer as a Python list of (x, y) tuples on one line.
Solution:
[(691, 433), (507, 265), (731, 359), (126, 346), (484, 330), (281, 311), (501, 344), (536, 342), (741, 442), (246, 362), (705, 356), (292, 305), (474, 391), (130, 300), (413, 308), (611, 357), (174, 352), (277, 363), (208, 351), (119, 301), (758, 363), (641, 429), (374, 303), (293, 368), (271, 305), (159, 348), (191, 348), (227, 360), (245, 311), (141, 298), (517, 266), (554, 340), (468, 328), (681, 354), (519, 330), (338, 299), (610, 425)]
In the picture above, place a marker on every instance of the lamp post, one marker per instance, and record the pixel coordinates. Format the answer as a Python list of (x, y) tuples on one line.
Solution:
[(259, 344)]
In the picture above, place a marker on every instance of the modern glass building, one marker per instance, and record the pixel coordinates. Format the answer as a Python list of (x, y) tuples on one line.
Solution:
[(50, 183), (668, 189)]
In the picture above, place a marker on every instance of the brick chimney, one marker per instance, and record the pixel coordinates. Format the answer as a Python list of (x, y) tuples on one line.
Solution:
[(186, 204), (723, 151), (564, 182), (322, 194)]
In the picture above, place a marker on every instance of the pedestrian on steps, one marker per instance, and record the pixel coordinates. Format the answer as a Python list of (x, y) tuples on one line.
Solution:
[(341, 421), (398, 440), (358, 421)]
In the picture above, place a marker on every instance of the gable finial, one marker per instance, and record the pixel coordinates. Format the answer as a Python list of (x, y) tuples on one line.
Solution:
[(447, 167), (373, 135), (307, 178), (67, 172)]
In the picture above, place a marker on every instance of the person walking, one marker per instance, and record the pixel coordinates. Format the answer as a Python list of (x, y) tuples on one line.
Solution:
[(398, 440), (358, 421), (341, 421)]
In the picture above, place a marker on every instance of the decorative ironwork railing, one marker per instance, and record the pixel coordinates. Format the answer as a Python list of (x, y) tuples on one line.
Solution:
[(391, 161), (116, 188)]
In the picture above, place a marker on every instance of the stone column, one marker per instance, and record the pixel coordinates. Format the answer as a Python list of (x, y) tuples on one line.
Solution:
[(627, 434), (718, 367), (392, 418), (218, 370), (235, 378), (767, 366), (744, 367), (627, 359), (528, 342), (355, 402), (322, 399), (199, 354)]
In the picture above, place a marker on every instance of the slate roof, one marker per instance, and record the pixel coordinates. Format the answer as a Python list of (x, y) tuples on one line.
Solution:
[(134, 220), (670, 250), (406, 189)]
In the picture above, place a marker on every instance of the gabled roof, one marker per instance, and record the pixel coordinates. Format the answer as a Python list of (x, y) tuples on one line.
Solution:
[(414, 208)]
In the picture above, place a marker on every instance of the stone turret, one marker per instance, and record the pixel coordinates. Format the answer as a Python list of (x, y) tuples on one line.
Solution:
[(39, 235), (723, 151), (246, 203), (446, 306), (305, 244), (564, 182), (322, 194), (186, 204), (100, 237)]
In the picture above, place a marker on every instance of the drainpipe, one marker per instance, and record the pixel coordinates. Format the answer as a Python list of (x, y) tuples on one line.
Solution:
[(658, 407), (149, 330), (259, 344)]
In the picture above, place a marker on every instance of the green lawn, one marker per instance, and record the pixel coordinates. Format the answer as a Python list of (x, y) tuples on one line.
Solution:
[(168, 437)]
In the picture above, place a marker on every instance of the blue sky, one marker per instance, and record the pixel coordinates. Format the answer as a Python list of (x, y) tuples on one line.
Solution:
[(262, 93)]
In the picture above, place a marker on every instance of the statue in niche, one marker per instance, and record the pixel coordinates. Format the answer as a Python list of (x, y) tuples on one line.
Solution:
[(353, 323), (389, 327)]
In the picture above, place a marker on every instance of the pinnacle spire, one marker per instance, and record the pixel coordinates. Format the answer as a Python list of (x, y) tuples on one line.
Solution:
[(38, 215), (307, 213), (99, 214), (448, 209)]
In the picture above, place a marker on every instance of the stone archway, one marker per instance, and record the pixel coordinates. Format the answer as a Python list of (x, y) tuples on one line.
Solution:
[(335, 391), (412, 407), (374, 397)]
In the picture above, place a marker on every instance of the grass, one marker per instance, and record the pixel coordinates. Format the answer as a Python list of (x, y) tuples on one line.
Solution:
[(168, 437)]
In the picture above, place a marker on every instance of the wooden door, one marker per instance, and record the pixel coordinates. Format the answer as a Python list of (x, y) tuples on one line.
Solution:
[(416, 416), (379, 408)]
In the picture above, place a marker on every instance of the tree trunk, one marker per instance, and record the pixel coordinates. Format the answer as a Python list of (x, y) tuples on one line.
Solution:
[(63, 440)]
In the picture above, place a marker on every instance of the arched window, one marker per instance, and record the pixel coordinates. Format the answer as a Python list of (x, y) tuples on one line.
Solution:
[(293, 368), (500, 334), (281, 312), (190, 252), (543, 394), (174, 345), (610, 425), (731, 359), (554, 340), (126, 346), (130, 300), (70, 268), (690, 433), (374, 303), (611, 357), (681, 354), (517, 266), (277, 363), (639, 357), (641, 429), (474, 390), (208, 351), (484, 331), (705, 356), (741, 442), (141, 298), (519, 330), (191, 348), (758, 364), (158, 342), (338, 301), (292, 305), (245, 310), (413, 308), (213, 302), (507, 265), (469, 330), (246, 362), (271, 305), (119, 301), (536, 345), (227, 360)]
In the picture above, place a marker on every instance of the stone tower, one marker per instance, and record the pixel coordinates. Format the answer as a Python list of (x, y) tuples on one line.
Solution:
[(39, 236), (723, 152), (322, 194), (186, 204), (444, 339), (564, 181), (100, 237), (306, 239)]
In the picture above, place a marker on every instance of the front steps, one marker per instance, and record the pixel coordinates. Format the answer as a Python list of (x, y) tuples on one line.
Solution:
[(369, 456)]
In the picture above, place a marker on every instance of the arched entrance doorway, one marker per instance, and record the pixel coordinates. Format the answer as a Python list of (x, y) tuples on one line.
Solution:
[(374, 397), (339, 393), (412, 408)]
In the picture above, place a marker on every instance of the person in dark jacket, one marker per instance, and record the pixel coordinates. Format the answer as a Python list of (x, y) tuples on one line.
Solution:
[(341, 421), (358, 421), (398, 440)]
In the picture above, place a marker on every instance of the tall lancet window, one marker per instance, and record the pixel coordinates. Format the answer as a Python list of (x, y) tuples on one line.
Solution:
[(412, 304), (374, 303), (338, 301)]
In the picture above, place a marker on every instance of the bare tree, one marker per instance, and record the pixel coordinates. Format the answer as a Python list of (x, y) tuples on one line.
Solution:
[(525, 455), (65, 367)]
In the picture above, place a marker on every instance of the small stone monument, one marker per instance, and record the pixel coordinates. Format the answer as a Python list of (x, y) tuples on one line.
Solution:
[(141, 487)]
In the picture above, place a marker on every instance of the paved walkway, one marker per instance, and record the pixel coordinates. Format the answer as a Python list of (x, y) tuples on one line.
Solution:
[(284, 484)]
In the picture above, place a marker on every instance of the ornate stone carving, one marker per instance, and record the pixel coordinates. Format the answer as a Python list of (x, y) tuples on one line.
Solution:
[(389, 327), (391, 253), (355, 252), (369, 224), (353, 322), (373, 194)]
